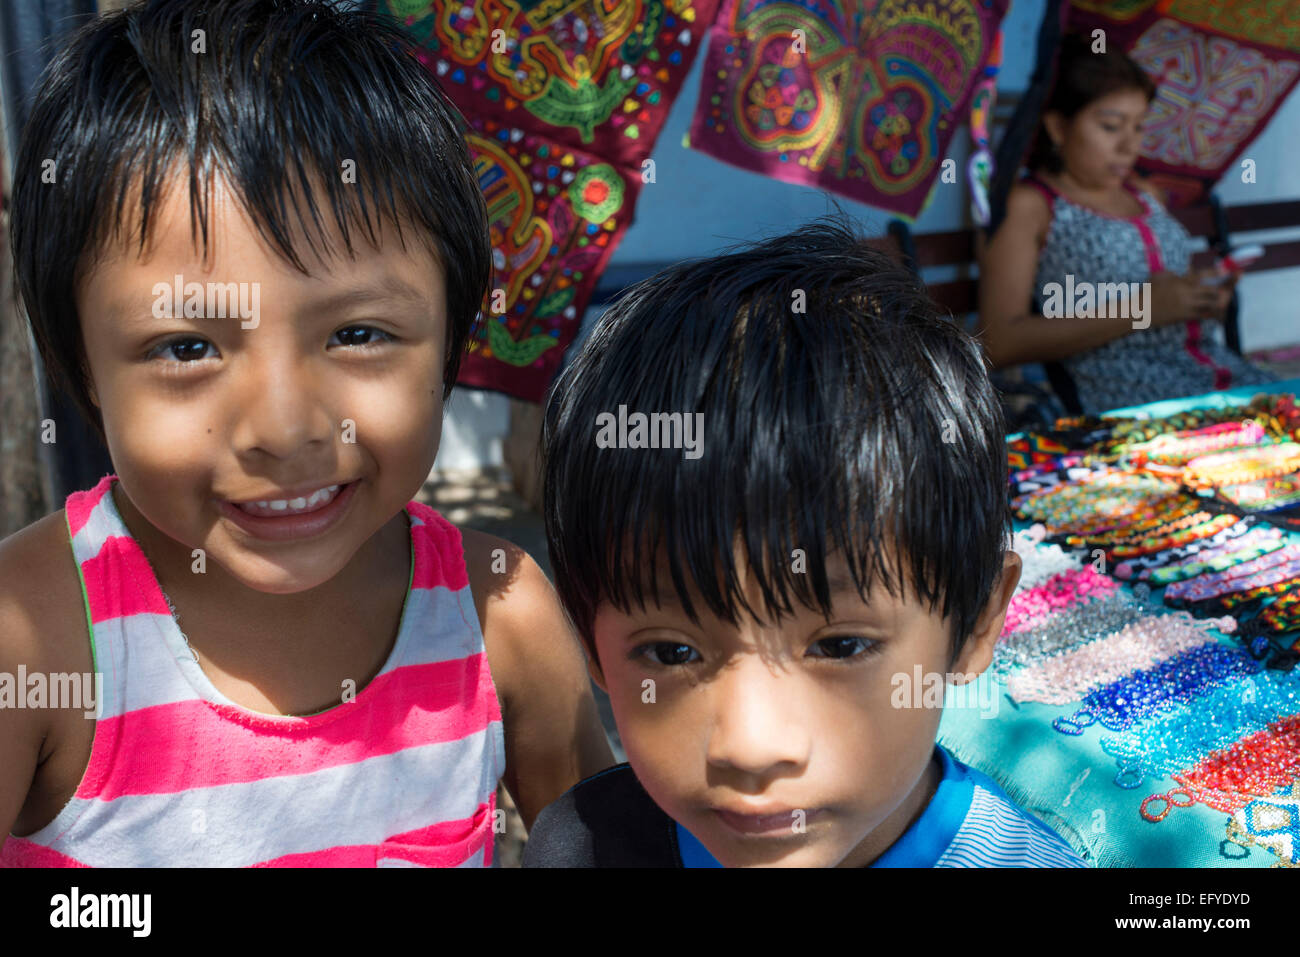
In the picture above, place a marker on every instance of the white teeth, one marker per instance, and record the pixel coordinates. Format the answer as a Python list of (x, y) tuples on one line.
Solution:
[(317, 499)]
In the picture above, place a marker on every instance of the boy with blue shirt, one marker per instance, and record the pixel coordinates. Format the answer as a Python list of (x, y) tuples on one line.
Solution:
[(751, 607)]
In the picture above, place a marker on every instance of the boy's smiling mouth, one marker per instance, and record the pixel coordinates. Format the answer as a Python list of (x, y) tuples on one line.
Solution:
[(292, 514), (292, 503)]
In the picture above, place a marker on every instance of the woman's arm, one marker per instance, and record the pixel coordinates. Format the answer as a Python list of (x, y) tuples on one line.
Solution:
[(1011, 332)]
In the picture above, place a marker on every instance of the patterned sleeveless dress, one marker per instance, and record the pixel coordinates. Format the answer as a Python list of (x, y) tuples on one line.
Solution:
[(402, 775), (1148, 364)]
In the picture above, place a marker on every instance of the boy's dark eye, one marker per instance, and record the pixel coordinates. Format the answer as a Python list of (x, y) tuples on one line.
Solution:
[(183, 350), (361, 336), (841, 646), (668, 653)]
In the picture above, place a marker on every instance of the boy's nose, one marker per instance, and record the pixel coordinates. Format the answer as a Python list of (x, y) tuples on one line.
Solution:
[(282, 409), (759, 725)]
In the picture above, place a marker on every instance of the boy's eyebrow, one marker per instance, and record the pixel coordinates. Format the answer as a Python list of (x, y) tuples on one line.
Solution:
[(390, 288)]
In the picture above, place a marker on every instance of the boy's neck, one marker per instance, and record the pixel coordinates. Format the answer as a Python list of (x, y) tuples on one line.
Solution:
[(373, 563)]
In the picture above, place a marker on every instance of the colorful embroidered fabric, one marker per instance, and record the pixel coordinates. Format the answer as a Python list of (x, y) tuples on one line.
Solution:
[(979, 167), (556, 215), (565, 102), (1220, 72), (859, 97), (599, 77)]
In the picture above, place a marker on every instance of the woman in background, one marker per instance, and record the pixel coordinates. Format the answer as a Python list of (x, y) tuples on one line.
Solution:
[(1082, 213)]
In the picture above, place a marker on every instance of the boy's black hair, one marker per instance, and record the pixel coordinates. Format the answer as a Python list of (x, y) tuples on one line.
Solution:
[(864, 426), (282, 91)]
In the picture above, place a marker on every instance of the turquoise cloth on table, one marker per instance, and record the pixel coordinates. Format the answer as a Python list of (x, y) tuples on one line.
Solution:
[(1069, 781)]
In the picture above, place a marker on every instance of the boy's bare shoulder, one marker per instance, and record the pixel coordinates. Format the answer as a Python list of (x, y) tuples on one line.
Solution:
[(42, 615), (498, 570), (524, 626)]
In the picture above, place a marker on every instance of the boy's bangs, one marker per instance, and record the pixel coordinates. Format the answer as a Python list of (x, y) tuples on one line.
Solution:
[(819, 444), (319, 119)]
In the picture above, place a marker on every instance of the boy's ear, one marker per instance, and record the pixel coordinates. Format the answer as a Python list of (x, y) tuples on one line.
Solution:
[(977, 653), (593, 667)]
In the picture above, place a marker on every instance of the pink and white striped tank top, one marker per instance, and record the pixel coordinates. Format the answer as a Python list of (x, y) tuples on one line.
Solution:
[(403, 775)]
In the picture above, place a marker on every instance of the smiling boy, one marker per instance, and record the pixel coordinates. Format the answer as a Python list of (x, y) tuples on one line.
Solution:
[(749, 612), (302, 665)]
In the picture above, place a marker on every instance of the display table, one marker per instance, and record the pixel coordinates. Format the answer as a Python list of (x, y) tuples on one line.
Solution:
[(1067, 772)]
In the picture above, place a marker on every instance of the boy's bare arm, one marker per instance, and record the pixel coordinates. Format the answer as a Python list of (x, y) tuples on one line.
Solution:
[(24, 732), (554, 737)]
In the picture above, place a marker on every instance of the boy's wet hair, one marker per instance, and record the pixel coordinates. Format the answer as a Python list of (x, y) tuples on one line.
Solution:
[(283, 93), (864, 427)]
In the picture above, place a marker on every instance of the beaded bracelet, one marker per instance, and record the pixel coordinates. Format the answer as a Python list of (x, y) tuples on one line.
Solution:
[(1179, 448), (1263, 495), (1070, 676), (1028, 481), (1128, 432), (1280, 617), (1133, 567), (1258, 541), (1177, 514), (1228, 779), (1074, 587), (1069, 629), (1266, 584), (1145, 692), (1204, 530), (1150, 546), (1110, 493), (1039, 561), (1279, 581), (1110, 519), (1183, 736), (1256, 824), (1242, 465), (1235, 577)]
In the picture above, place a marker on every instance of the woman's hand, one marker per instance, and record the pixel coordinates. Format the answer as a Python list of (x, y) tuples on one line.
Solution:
[(1176, 299)]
